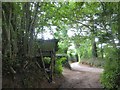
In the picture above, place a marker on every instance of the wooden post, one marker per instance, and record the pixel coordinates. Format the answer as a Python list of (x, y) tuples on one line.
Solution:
[(43, 65), (52, 64), (53, 61)]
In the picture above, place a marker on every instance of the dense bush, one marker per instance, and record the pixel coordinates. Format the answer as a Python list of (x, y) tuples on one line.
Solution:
[(58, 66), (111, 75)]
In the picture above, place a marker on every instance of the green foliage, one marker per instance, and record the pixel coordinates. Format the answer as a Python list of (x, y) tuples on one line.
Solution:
[(58, 66), (95, 62), (97, 19), (111, 75), (47, 60), (63, 59), (63, 46), (85, 49)]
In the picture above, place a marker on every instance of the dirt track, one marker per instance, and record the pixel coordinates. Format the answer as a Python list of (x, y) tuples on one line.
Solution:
[(81, 76)]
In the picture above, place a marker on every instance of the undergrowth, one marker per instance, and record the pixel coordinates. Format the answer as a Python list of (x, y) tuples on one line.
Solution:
[(94, 62), (59, 65), (110, 78)]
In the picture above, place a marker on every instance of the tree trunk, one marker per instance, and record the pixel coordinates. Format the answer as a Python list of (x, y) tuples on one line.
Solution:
[(101, 51), (94, 49), (31, 31), (78, 56), (119, 23)]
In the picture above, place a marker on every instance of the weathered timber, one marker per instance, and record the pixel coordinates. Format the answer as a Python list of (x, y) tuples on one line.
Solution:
[(48, 45), (47, 48)]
